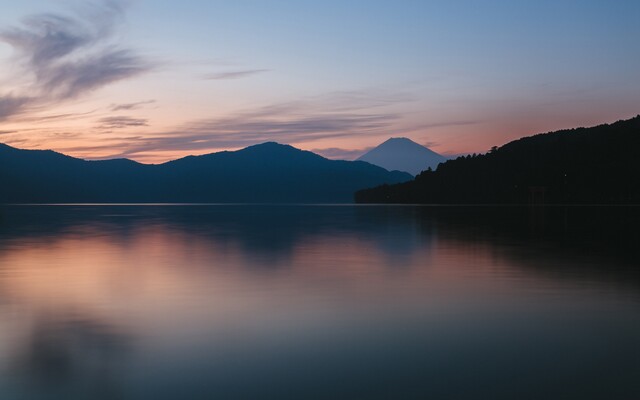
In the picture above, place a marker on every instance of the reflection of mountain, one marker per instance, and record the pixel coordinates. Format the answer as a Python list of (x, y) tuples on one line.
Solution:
[(266, 173), (402, 154), (229, 301), (553, 237), (269, 232), (61, 355), (597, 165), (272, 232)]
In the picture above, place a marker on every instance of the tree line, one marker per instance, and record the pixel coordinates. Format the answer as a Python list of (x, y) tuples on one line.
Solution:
[(597, 165)]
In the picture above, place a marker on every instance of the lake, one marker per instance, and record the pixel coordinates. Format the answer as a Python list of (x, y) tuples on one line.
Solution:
[(319, 302)]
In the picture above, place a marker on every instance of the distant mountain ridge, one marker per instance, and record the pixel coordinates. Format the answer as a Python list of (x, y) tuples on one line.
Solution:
[(264, 173), (403, 154), (597, 165)]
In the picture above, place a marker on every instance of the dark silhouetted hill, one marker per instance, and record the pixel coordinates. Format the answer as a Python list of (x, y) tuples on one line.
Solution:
[(265, 173), (597, 165), (402, 154)]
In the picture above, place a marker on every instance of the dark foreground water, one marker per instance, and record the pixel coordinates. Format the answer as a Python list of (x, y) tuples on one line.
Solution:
[(319, 302)]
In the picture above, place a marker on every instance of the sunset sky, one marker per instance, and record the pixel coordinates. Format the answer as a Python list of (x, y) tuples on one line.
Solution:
[(154, 80)]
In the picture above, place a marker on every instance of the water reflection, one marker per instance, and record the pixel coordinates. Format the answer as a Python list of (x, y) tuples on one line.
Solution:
[(75, 356), (137, 302)]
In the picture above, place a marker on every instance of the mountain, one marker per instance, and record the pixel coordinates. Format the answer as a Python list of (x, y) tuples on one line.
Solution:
[(265, 173), (598, 165), (402, 154)]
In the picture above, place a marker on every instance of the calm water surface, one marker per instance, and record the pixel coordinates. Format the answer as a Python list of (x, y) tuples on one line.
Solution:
[(326, 302)]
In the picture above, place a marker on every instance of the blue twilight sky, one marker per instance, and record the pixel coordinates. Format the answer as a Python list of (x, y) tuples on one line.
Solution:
[(155, 80)]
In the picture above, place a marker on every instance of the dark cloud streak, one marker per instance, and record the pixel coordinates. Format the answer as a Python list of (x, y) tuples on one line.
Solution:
[(10, 105), (130, 106), (69, 55), (234, 74), (291, 123), (119, 122), (75, 78), (330, 116), (56, 117)]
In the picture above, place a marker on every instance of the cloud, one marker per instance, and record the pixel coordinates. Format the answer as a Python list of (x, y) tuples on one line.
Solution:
[(294, 122), (72, 79), (300, 122), (119, 122), (56, 117), (447, 124), (68, 56), (234, 74), (337, 153), (430, 144), (7, 132), (10, 105), (130, 106), (243, 130)]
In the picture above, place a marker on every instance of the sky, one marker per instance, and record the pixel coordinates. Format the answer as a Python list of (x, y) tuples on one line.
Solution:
[(154, 80)]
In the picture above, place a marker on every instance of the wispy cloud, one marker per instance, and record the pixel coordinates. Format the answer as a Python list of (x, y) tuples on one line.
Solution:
[(337, 153), (245, 129), (12, 105), (234, 74), (443, 124), (69, 55), (119, 122), (39, 118), (77, 77), (295, 122), (130, 106), (430, 144)]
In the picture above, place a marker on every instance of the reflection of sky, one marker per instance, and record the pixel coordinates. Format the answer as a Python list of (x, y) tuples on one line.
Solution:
[(156, 301), (460, 76)]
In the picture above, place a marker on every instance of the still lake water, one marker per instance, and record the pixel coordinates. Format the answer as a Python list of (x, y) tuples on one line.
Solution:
[(319, 302)]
